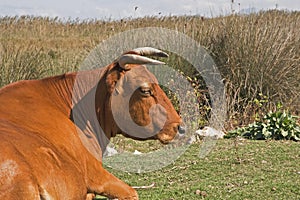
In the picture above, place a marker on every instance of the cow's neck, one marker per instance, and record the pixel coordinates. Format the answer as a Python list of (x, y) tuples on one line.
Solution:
[(60, 89), (103, 96), (85, 99)]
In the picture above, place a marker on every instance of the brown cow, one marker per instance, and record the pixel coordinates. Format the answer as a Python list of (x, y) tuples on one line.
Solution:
[(50, 136)]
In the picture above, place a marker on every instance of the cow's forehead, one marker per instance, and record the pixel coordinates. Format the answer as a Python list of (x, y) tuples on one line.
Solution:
[(140, 74)]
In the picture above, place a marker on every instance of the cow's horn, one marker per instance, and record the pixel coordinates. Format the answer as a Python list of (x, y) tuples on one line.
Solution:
[(136, 59), (149, 51)]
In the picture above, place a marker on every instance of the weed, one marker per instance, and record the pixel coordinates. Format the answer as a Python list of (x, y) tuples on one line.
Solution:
[(277, 125)]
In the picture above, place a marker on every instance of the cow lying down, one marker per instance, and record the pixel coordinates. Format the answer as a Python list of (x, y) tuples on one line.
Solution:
[(53, 131)]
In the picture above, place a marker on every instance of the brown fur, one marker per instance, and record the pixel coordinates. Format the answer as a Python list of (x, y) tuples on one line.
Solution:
[(43, 134)]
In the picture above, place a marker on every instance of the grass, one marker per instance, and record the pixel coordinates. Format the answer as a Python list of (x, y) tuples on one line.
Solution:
[(256, 54), (258, 57), (235, 169)]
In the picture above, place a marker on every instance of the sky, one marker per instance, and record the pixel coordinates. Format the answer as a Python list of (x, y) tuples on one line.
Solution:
[(118, 9)]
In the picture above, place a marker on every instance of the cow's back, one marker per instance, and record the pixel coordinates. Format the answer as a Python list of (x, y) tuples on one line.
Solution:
[(36, 142)]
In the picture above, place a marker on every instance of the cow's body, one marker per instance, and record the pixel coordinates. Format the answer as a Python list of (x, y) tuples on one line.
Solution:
[(44, 153)]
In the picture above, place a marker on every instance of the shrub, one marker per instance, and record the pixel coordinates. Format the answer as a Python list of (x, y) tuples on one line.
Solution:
[(276, 125)]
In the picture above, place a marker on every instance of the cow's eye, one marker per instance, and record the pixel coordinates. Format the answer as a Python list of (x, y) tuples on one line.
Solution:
[(146, 91)]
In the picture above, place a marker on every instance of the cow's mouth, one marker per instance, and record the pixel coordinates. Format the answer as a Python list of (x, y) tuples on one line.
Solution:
[(171, 133), (165, 138)]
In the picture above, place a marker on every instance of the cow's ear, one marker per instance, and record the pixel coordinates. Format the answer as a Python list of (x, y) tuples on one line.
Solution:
[(125, 62), (115, 75)]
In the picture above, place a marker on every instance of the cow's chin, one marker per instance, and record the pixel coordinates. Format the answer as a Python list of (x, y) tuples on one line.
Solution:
[(166, 138)]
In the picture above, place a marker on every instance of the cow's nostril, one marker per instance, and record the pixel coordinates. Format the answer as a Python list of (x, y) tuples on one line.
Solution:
[(181, 129)]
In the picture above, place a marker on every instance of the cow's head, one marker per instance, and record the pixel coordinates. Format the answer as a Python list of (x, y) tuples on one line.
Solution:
[(138, 107)]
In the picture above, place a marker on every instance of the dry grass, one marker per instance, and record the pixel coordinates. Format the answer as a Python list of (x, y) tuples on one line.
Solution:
[(256, 54)]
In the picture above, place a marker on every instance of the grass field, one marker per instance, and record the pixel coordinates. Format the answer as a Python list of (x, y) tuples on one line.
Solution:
[(235, 169), (259, 58)]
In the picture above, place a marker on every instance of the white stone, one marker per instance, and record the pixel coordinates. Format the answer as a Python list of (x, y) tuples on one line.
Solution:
[(110, 151), (136, 152), (209, 132)]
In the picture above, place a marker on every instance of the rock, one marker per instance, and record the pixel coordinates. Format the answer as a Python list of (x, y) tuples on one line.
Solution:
[(206, 132), (110, 151), (136, 152), (201, 193), (192, 140), (210, 132)]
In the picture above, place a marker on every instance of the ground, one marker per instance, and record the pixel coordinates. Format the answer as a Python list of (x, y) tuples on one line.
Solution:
[(235, 169)]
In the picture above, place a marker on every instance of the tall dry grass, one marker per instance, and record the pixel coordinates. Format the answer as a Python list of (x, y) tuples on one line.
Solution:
[(257, 54)]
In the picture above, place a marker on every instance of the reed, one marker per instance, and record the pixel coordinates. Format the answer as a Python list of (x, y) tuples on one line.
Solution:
[(258, 55)]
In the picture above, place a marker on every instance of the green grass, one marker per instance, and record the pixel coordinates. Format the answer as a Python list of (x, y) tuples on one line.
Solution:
[(258, 56), (235, 169)]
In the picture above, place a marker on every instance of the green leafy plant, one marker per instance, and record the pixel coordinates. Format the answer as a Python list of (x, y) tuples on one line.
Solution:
[(276, 125)]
